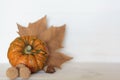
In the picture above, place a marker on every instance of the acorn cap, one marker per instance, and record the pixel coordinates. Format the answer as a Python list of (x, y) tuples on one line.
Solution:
[(24, 72), (12, 73)]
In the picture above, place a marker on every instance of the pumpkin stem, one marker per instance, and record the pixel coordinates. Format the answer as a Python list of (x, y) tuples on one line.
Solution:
[(28, 49)]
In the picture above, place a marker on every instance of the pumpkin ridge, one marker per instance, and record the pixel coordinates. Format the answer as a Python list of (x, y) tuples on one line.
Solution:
[(36, 62)]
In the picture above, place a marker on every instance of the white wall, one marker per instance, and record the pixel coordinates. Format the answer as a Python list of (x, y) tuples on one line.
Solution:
[(93, 26)]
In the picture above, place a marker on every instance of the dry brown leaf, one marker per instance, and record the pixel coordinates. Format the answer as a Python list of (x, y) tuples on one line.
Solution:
[(38, 27), (53, 36), (57, 59), (33, 29), (22, 30)]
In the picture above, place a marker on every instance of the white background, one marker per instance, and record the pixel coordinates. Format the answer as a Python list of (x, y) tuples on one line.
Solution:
[(93, 26)]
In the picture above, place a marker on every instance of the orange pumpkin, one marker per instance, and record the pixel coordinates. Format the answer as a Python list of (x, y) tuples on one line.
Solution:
[(28, 50)]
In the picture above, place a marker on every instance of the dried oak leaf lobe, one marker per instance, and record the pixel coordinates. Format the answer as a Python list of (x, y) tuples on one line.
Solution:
[(53, 37)]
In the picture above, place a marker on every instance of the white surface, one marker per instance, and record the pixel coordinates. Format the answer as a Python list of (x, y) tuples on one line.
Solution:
[(75, 71), (93, 26)]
